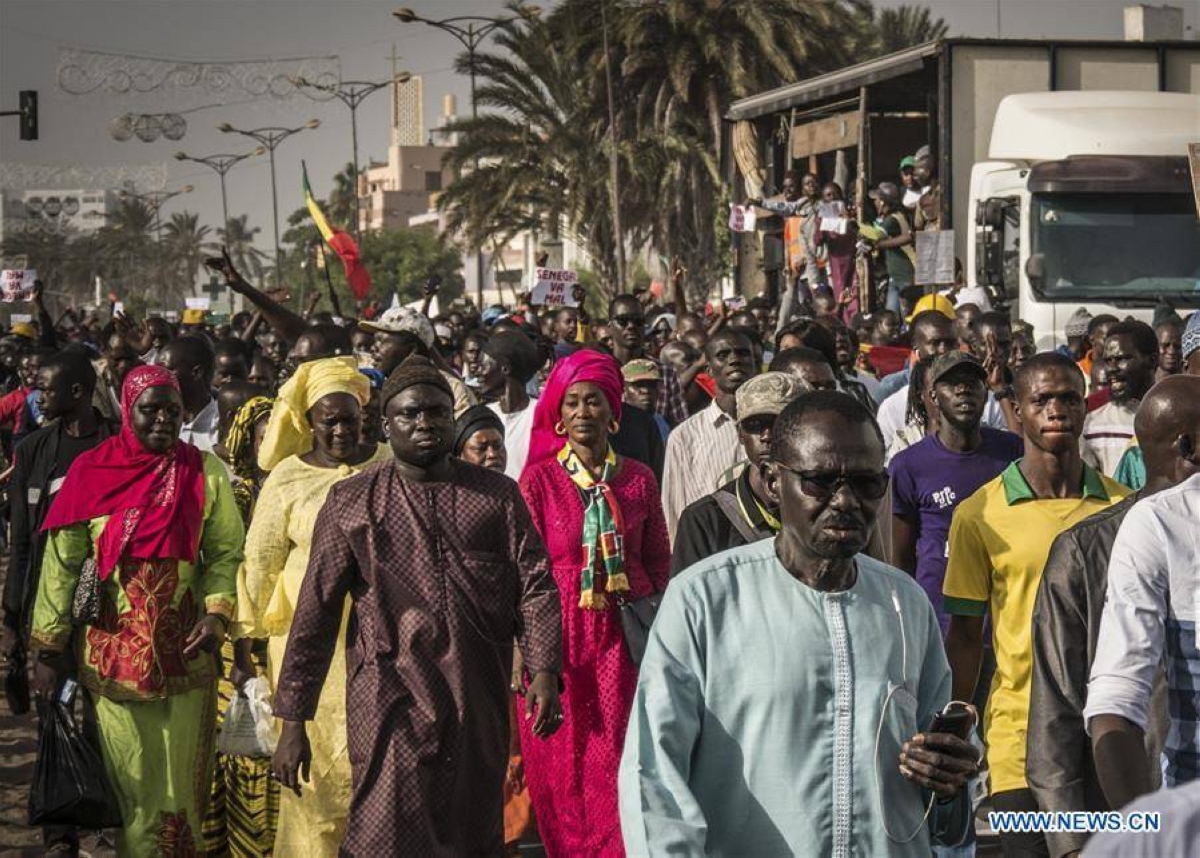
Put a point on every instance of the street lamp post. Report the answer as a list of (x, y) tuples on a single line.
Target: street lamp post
[(352, 93), (470, 30), (222, 164), (154, 201), (270, 138)]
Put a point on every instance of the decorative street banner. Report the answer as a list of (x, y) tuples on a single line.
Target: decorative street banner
[(553, 286), (935, 257), (17, 284), (742, 218)]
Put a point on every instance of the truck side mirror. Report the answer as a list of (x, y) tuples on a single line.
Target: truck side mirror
[(992, 212), (1035, 270)]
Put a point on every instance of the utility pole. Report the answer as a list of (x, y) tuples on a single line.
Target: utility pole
[(613, 175)]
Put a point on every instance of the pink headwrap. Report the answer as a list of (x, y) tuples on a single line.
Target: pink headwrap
[(584, 365), (154, 501)]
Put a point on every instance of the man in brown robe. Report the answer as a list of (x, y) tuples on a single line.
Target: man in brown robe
[(444, 569)]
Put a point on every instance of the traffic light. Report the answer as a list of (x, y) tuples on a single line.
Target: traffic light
[(29, 114)]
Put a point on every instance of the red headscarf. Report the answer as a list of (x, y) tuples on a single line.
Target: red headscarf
[(584, 365), (155, 501)]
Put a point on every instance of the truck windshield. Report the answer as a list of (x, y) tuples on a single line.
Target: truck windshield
[(1117, 247)]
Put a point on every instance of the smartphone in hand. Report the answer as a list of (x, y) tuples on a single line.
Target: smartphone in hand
[(957, 719)]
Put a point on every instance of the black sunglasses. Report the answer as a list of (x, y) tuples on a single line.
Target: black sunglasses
[(823, 485)]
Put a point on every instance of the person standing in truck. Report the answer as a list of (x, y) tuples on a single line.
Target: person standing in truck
[(897, 247)]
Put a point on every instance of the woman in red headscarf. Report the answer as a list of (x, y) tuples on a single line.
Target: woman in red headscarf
[(600, 517), (146, 530)]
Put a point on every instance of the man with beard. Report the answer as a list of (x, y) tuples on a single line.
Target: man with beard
[(1130, 359), (999, 540), (785, 683), (703, 447), (741, 511), (933, 476), (443, 568), (400, 332)]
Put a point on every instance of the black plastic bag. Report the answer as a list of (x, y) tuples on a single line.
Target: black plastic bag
[(16, 685), (69, 783)]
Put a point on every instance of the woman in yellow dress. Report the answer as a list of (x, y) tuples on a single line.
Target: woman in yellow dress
[(312, 441)]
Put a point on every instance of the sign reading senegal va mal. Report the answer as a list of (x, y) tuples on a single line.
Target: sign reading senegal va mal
[(553, 286)]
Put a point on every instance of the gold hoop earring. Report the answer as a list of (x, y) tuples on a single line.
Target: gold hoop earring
[(559, 428)]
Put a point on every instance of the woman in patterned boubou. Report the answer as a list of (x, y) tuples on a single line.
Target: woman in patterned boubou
[(600, 517), (151, 523)]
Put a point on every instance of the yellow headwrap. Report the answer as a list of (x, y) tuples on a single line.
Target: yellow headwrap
[(288, 431)]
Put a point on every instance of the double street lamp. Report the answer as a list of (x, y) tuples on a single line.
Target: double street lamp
[(269, 139), (352, 93), (470, 30), (154, 201), (222, 164)]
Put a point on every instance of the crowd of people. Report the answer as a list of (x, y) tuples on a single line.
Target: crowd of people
[(660, 582)]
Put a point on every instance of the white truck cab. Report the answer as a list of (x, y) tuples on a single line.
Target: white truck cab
[(1087, 201)]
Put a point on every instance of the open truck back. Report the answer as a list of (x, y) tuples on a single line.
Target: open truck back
[(1130, 101)]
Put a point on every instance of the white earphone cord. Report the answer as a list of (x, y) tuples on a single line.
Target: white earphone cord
[(879, 734)]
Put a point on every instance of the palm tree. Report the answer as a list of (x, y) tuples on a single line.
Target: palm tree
[(239, 240), (341, 198), (893, 30), (531, 161), (184, 241)]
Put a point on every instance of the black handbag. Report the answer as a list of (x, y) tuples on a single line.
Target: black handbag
[(636, 618), (70, 786)]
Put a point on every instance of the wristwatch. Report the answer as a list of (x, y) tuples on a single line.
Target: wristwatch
[(1005, 392)]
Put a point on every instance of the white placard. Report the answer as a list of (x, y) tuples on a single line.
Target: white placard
[(17, 284), (742, 218), (118, 307), (18, 318), (834, 225), (935, 257), (201, 303), (553, 286)]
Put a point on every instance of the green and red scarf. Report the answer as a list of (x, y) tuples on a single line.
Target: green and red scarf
[(603, 528)]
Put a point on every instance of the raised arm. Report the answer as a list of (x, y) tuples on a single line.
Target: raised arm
[(288, 324)]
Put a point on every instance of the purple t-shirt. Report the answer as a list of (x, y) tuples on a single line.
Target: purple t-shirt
[(928, 484)]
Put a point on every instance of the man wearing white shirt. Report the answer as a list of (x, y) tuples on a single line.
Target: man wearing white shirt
[(192, 360), (509, 360), (1149, 620), (702, 448)]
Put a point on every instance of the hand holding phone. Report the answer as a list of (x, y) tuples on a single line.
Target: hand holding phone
[(956, 719)]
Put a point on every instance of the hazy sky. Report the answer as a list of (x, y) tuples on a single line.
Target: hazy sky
[(362, 34)]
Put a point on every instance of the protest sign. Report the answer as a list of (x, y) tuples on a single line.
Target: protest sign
[(742, 218), (553, 286), (17, 284), (18, 318), (201, 303), (935, 257)]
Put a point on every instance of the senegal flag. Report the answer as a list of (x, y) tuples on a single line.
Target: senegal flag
[(341, 242)]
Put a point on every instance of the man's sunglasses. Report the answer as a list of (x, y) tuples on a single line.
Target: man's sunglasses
[(823, 485)]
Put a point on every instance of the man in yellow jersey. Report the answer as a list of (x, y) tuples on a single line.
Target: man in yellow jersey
[(1000, 538)]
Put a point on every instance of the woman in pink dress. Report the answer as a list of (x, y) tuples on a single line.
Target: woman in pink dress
[(600, 517)]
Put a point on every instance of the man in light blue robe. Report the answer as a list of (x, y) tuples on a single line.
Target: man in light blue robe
[(783, 692)]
